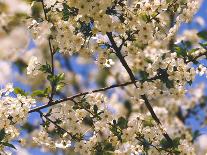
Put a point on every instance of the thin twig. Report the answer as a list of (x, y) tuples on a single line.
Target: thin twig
[(51, 54), (54, 123), (79, 95)]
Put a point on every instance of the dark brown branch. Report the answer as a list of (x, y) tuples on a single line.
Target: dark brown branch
[(121, 58), (79, 95), (133, 79), (196, 57), (154, 116)]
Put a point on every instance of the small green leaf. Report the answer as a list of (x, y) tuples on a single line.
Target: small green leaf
[(169, 83), (176, 142), (196, 134), (148, 122), (144, 75), (47, 90), (21, 65), (122, 122), (18, 90), (46, 68), (61, 76), (56, 79), (169, 1), (180, 51), (166, 144), (39, 93), (66, 12), (95, 109), (145, 17), (193, 50), (202, 34), (60, 86), (204, 45), (101, 78), (8, 144), (50, 78), (28, 127), (2, 134)]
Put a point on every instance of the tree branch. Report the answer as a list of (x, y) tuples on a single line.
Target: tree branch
[(51, 54), (54, 123), (79, 95), (133, 79), (121, 58)]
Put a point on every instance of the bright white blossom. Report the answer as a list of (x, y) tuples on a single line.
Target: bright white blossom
[(33, 66)]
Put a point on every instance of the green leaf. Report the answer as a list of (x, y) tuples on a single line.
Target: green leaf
[(176, 142), (190, 82), (2, 134), (66, 12), (169, 83), (50, 78), (193, 50), (56, 79), (60, 86), (169, 1), (36, 9), (148, 121), (204, 45), (145, 17), (166, 144), (122, 122), (108, 146), (8, 144), (28, 127), (187, 44), (180, 51), (88, 121), (202, 34), (18, 90), (95, 109), (144, 75), (47, 90), (61, 77), (196, 134), (128, 106), (39, 93), (101, 78), (21, 65), (46, 68)]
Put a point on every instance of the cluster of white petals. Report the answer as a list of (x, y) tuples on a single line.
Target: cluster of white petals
[(14, 110)]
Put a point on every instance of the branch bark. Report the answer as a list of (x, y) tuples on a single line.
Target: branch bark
[(79, 95), (133, 79)]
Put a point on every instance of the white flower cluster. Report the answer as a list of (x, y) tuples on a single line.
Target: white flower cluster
[(67, 41), (13, 112), (33, 66), (201, 70), (40, 32), (124, 139)]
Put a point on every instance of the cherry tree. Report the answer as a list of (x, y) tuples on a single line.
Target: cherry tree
[(133, 96)]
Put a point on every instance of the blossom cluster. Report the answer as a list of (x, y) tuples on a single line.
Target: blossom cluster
[(14, 112)]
